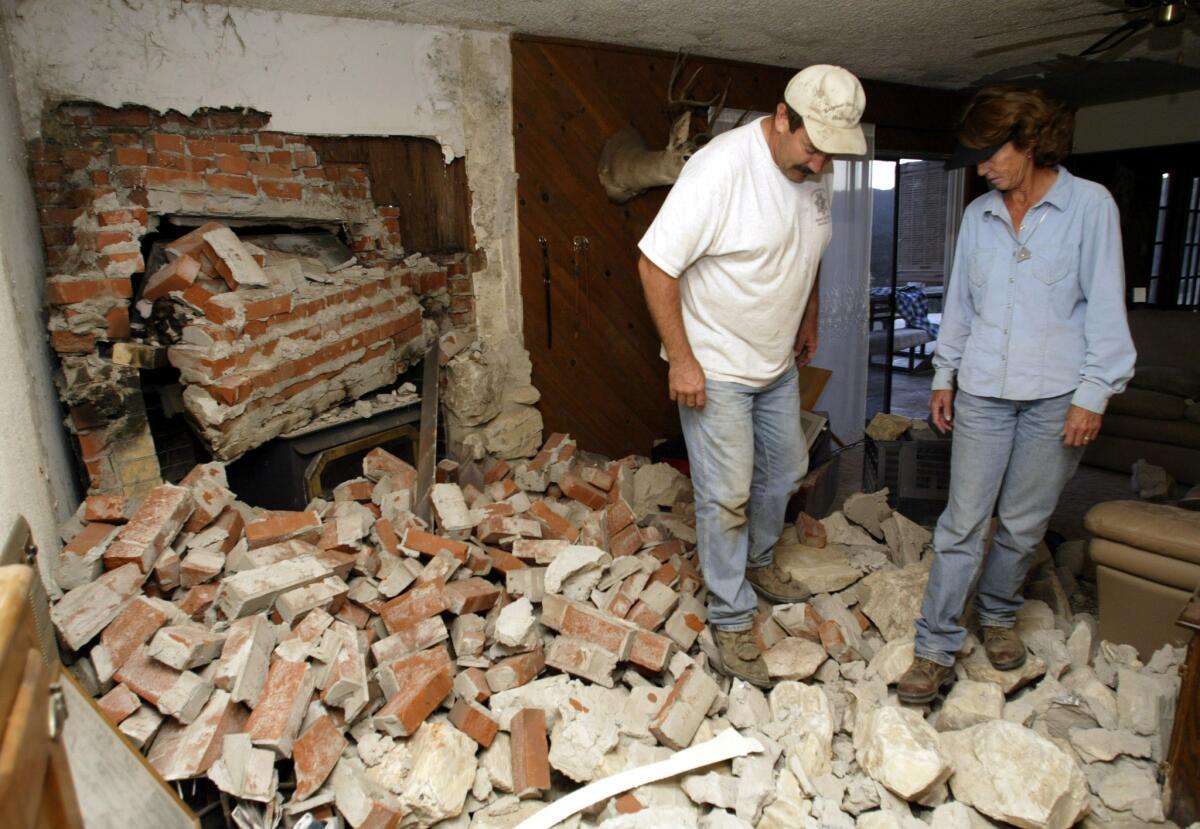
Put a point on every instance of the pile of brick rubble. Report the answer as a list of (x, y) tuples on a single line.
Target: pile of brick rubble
[(348, 662)]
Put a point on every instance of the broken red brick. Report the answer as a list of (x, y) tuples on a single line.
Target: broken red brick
[(429, 544), (282, 525), (575, 487), (515, 671), (315, 754), (118, 704), (412, 606), (530, 753), (475, 721), (470, 595)]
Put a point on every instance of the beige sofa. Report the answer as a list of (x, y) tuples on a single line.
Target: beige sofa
[(1147, 565), (1157, 418)]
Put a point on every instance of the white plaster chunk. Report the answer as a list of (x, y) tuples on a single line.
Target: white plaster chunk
[(658, 485), (803, 721), (516, 626), (794, 658), (575, 571), (891, 661), (970, 703), (255, 590), (958, 816), (868, 510), (994, 764), (790, 807), (840, 531), (896, 747), (497, 759), (515, 433), (977, 667), (1051, 647), (579, 741), (891, 599), (720, 819), (451, 508), (1099, 699), (1125, 785), (1145, 701), (747, 706), (1099, 745), (906, 539), (244, 771), (714, 789), (443, 770), (819, 570)]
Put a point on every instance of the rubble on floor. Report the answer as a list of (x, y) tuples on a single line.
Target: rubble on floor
[(351, 663)]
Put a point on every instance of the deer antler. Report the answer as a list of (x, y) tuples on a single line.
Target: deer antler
[(681, 100)]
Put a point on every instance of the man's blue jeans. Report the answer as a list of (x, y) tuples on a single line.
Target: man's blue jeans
[(747, 455), (1006, 449)]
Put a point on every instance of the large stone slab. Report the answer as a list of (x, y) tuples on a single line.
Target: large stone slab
[(970, 703), (892, 598), (1012, 774), (978, 668), (896, 747), (824, 570)]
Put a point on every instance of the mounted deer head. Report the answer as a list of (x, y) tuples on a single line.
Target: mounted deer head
[(627, 167)]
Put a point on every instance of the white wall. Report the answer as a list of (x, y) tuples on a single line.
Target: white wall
[(35, 469), (1146, 122)]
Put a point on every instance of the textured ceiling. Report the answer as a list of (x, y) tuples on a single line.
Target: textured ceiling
[(925, 42)]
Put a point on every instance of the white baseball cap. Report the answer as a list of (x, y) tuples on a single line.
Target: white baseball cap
[(831, 101)]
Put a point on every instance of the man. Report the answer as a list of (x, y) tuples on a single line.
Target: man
[(729, 268)]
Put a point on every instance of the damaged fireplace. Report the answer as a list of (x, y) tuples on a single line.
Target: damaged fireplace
[(221, 291), (302, 276)]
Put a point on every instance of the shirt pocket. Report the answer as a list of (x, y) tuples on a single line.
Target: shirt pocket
[(981, 265), (1050, 269)]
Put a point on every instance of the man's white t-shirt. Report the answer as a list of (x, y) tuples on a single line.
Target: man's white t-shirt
[(745, 241)]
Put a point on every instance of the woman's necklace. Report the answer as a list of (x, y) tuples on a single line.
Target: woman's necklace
[(1023, 252)]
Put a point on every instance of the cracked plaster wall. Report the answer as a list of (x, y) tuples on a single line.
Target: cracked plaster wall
[(315, 75), (35, 469)]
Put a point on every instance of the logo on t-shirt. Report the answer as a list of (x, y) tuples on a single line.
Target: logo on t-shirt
[(821, 205)]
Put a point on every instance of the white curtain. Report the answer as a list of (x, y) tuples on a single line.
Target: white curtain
[(845, 296)]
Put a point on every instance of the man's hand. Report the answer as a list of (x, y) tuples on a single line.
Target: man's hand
[(1081, 427), (686, 380), (941, 406), (806, 342)]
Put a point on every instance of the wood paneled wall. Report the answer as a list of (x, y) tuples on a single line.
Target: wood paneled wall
[(594, 348), (412, 174)]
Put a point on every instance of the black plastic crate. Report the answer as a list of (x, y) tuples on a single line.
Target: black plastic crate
[(916, 473)]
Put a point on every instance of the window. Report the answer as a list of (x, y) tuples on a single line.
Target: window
[(1189, 266), (1160, 237)]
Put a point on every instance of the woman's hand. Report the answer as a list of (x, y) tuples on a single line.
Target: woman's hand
[(1081, 427), (941, 406)]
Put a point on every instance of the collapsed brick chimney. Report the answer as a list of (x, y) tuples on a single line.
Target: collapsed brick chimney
[(107, 179)]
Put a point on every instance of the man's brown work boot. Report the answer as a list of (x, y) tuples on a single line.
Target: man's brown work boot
[(741, 656), (1003, 647), (776, 584), (922, 681)]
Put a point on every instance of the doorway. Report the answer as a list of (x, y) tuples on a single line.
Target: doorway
[(916, 209)]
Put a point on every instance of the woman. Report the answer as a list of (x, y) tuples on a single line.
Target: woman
[(1033, 342)]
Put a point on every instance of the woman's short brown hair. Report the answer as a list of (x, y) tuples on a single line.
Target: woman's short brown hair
[(1024, 116)]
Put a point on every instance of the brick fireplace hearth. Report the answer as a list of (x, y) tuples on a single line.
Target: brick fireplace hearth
[(106, 179)]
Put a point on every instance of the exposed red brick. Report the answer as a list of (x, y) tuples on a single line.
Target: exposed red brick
[(530, 753), (475, 721)]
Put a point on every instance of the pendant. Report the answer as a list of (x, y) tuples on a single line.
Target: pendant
[(1023, 253)]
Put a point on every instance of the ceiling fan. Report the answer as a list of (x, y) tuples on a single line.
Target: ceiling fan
[(1142, 14)]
